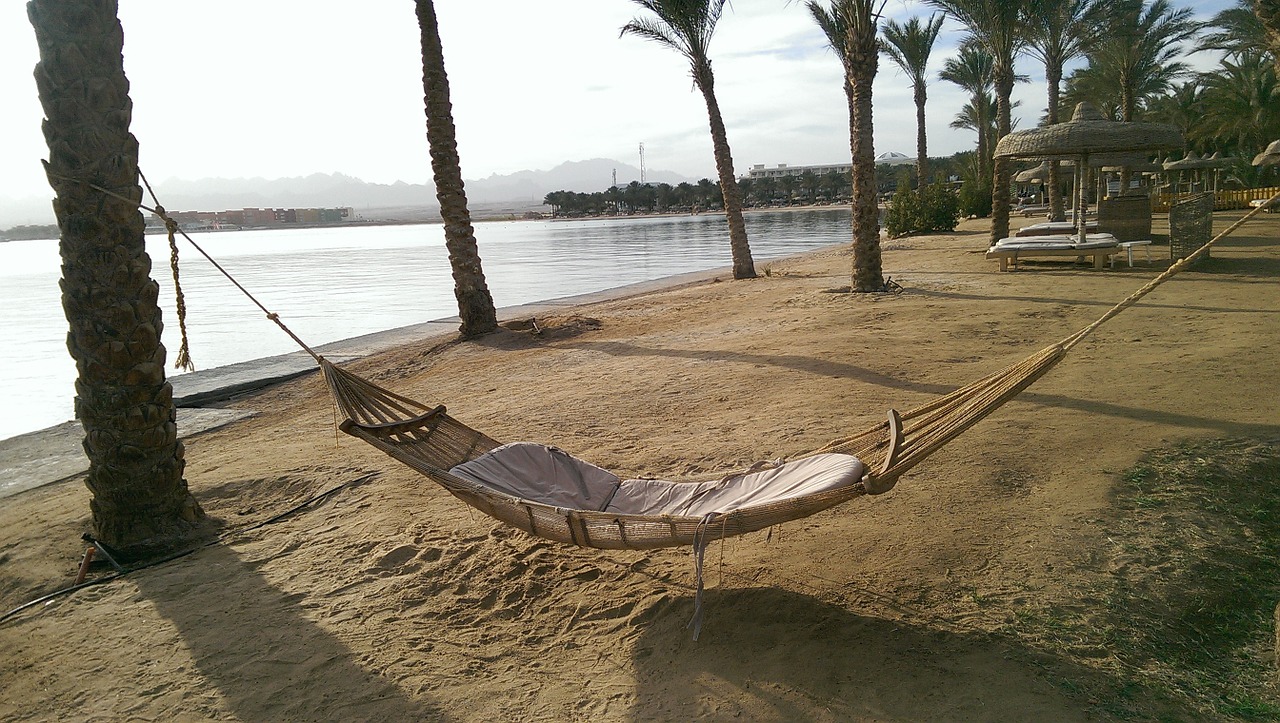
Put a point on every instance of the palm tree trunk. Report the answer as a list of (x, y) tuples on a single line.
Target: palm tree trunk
[(1057, 210), (141, 504), (1000, 168), (868, 274), (984, 148), (475, 304), (743, 266), (1128, 109), (922, 144)]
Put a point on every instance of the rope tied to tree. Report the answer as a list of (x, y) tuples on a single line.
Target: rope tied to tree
[(173, 228), (183, 359)]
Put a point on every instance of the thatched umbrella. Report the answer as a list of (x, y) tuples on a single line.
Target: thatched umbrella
[(1189, 163), (1269, 157), (1033, 175), (1087, 133), (1038, 174), (1194, 162)]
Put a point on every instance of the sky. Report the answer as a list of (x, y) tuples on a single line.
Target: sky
[(284, 88)]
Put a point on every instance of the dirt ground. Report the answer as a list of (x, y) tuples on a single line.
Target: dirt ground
[(390, 600)]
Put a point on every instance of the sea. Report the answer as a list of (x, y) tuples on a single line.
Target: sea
[(329, 284)]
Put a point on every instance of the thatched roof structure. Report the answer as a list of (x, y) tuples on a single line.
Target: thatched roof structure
[(1194, 161), (1087, 133), (1270, 156), (1040, 174)]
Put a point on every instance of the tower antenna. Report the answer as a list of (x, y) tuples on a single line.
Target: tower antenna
[(643, 175)]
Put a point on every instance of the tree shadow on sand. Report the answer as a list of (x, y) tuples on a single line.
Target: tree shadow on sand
[(251, 642), (772, 654)]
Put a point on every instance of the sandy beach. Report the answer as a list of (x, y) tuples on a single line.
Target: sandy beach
[(391, 600)]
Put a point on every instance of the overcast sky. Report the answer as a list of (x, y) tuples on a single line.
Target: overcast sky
[(279, 88)]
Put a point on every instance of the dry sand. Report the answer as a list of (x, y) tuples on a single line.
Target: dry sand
[(390, 600)]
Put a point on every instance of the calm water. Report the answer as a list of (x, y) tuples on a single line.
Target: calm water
[(336, 283)]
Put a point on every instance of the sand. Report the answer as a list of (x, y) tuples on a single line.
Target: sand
[(390, 600)]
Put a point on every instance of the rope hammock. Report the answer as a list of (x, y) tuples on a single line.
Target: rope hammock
[(427, 439)]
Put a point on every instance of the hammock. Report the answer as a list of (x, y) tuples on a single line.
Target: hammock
[(462, 460), (427, 439)]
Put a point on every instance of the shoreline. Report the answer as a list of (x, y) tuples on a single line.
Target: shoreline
[(46, 456)]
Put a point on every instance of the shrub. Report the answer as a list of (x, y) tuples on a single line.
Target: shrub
[(975, 199), (930, 209)]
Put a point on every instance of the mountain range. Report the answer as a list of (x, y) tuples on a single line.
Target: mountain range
[(400, 200)]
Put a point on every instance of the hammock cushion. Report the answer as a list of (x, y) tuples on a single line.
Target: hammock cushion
[(539, 473), (819, 473), (550, 476)]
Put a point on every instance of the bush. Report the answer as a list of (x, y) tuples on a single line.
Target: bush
[(975, 199), (930, 209)]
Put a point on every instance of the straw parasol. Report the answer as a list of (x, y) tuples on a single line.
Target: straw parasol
[(1086, 134), (1190, 162), (1269, 157), (1194, 162), (1039, 174)]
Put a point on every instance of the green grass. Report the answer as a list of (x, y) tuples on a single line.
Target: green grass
[(1188, 615)]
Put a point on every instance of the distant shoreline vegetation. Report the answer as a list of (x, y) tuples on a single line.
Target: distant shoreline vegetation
[(29, 233), (803, 189)]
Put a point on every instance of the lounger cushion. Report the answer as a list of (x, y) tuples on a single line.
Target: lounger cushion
[(539, 473), (802, 477)]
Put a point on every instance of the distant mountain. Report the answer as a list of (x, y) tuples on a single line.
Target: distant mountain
[(317, 190), (337, 189), (522, 189)]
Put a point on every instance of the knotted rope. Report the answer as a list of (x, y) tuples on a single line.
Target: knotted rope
[(173, 228), (183, 358)]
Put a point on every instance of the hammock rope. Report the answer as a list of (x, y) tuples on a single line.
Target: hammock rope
[(183, 358), (170, 223), (427, 439)]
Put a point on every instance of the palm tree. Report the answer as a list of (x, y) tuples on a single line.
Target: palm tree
[(909, 47), (1240, 105), (1058, 32), (1137, 56), (141, 504), (971, 69), (1237, 30), (980, 120), (1182, 107), (686, 26), (475, 304), (850, 27), (999, 26)]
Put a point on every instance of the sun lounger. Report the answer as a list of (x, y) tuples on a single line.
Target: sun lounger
[(1053, 228), (1099, 246)]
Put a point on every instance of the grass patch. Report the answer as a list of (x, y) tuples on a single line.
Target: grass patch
[(1186, 610)]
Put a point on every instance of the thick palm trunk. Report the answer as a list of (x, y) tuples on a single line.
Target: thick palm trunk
[(868, 274), (1057, 210), (141, 504), (922, 143), (475, 304), (1001, 176), (743, 266)]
